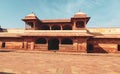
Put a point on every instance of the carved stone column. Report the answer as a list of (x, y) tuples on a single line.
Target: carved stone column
[(75, 44), (32, 45), (74, 25), (61, 27), (25, 44)]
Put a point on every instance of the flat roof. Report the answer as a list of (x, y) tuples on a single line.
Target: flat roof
[(107, 36), (56, 34), (9, 35), (56, 20)]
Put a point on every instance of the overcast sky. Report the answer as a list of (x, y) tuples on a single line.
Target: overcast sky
[(103, 13)]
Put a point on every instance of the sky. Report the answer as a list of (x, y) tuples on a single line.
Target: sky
[(103, 13)]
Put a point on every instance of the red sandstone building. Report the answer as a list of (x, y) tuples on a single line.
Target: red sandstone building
[(70, 35)]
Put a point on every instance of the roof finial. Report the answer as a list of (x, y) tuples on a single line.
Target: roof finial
[(33, 13)]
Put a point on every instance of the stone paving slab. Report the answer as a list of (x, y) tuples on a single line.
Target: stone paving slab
[(58, 63)]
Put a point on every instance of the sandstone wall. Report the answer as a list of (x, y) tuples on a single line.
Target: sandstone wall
[(41, 47), (65, 48), (11, 43), (104, 45)]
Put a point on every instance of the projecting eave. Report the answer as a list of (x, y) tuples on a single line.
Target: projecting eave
[(28, 19), (56, 21), (9, 35), (55, 34), (108, 36), (87, 18)]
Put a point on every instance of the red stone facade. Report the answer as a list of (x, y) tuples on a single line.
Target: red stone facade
[(66, 35)]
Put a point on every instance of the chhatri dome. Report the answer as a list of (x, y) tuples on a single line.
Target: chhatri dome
[(31, 16), (80, 14)]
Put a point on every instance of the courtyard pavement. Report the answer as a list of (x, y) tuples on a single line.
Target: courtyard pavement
[(37, 62)]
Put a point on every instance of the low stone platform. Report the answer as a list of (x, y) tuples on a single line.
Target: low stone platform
[(41, 62)]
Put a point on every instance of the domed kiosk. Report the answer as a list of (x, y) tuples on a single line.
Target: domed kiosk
[(80, 14), (31, 21), (80, 20)]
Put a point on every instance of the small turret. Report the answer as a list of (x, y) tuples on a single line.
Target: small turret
[(79, 20), (30, 16), (80, 15), (31, 21)]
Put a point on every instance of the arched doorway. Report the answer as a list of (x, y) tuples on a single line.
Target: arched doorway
[(80, 24), (53, 44), (67, 27), (45, 27)]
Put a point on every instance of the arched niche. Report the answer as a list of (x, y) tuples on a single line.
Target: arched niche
[(55, 27), (66, 41), (45, 27), (80, 24), (67, 27)]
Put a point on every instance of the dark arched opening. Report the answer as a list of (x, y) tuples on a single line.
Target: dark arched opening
[(45, 27), (30, 24), (80, 24), (53, 44), (40, 41), (67, 27), (3, 45), (67, 41), (55, 27), (89, 48), (118, 47)]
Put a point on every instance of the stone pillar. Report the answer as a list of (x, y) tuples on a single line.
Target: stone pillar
[(85, 23), (32, 45), (50, 27), (34, 25), (78, 47), (25, 45), (74, 25), (75, 45), (61, 27), (0, 44)]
